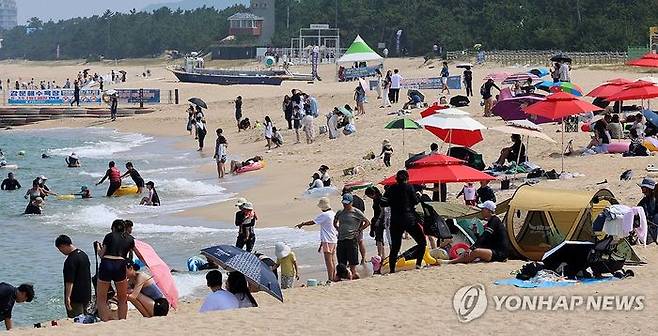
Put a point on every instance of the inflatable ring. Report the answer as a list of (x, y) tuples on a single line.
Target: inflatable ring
[(126, 190), (457, 249), (618, 147), (585, 128), (11, 166)]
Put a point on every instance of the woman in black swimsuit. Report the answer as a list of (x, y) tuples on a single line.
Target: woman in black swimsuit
[(134, 175), (113, 252)]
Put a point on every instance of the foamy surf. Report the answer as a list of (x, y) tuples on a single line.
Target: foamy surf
[(105, 148)]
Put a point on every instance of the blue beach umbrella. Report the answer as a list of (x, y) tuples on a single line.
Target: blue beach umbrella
[(257, 272), (540, 72)]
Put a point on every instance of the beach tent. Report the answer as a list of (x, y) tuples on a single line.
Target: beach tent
[(539, 219), (359, 51)]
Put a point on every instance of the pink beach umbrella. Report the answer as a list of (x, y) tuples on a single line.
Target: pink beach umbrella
[(160, 271)]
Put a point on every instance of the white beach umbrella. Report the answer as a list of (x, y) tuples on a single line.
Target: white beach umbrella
[(454, 126)]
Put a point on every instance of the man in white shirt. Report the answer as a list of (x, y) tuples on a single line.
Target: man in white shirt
[(219, 299), (396, 82), (328, 235), (564, 73)]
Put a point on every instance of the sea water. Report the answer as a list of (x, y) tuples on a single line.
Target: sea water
[(27, 251)]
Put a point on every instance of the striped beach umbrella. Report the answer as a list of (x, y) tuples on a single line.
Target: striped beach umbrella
[(520, 77), (568, 87)]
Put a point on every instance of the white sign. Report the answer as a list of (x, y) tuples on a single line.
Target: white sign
[(318, 26)]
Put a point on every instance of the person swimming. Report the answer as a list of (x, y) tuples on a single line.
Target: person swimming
[(84, 192), (152, 199), (73, 161), (134, 175)]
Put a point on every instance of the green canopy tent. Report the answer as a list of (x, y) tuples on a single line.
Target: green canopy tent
[(359, 51)]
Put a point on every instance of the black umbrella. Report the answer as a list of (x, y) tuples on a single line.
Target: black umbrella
[(573, 254), (561, 57), (198, 102), (247, 263), (122, 71), (459, 101)]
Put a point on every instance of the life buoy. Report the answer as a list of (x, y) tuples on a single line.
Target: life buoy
[(457, 249)]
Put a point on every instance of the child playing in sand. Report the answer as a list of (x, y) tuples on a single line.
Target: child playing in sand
[(288, 263), (387, 151), (469, 193), (277, 138)]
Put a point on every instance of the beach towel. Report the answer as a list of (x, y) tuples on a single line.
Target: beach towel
[(550, 283)]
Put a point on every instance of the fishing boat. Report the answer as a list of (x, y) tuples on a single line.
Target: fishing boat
[(194, 71)]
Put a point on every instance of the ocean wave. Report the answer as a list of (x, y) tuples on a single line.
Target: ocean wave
[(291, 236), (121, 142), (187, 187), (101, 217)]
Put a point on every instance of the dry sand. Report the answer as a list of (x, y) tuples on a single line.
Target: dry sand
[(416, 303)]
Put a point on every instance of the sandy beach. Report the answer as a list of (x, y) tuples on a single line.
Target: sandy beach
[(413, 302)]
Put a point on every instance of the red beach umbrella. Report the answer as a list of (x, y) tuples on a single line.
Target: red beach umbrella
[(437, 160), (636, 90), (442, 174), (649, 60), (609, 88), (560, 105), (432, 109)]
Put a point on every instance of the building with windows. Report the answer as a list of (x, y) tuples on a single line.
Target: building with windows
[(241, 24), (8, 14)]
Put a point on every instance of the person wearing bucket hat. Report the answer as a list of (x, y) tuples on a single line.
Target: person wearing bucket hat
[(649, 203), (328, 235), (84, 192), (349, 223), (245, 220), (240, 201), (286, 260), (493, 244)]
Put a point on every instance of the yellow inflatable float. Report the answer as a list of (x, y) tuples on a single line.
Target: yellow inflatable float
[(65, 197), (126, 190), (406, 265)]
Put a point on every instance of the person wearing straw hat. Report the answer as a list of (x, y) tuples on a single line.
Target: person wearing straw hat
[(72, 161), (245, 220), (328, 235), (286, 260)]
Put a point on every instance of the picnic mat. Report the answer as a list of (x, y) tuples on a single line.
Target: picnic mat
[(550, 283)]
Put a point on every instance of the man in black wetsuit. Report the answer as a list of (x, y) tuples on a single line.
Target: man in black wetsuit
[(10, 183), (492, 245), (135, 176)]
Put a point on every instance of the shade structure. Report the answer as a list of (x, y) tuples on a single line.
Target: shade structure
[(198, 102), (560, 105), (403, 124), (432, 109), (561, 57), (524, 128), (636, 90), (568, 87), (442, 174), (247, 263), (520, 77), (512, 108), (540, 72), (359, 51), (436, 160), (608, 88), (649, 60), (497, 76), (454, 126), (159, 271)]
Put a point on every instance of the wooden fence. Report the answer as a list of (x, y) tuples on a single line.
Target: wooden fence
[(542, 57)]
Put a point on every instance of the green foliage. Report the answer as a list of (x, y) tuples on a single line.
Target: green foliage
[(573, 25), (118, 35)]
